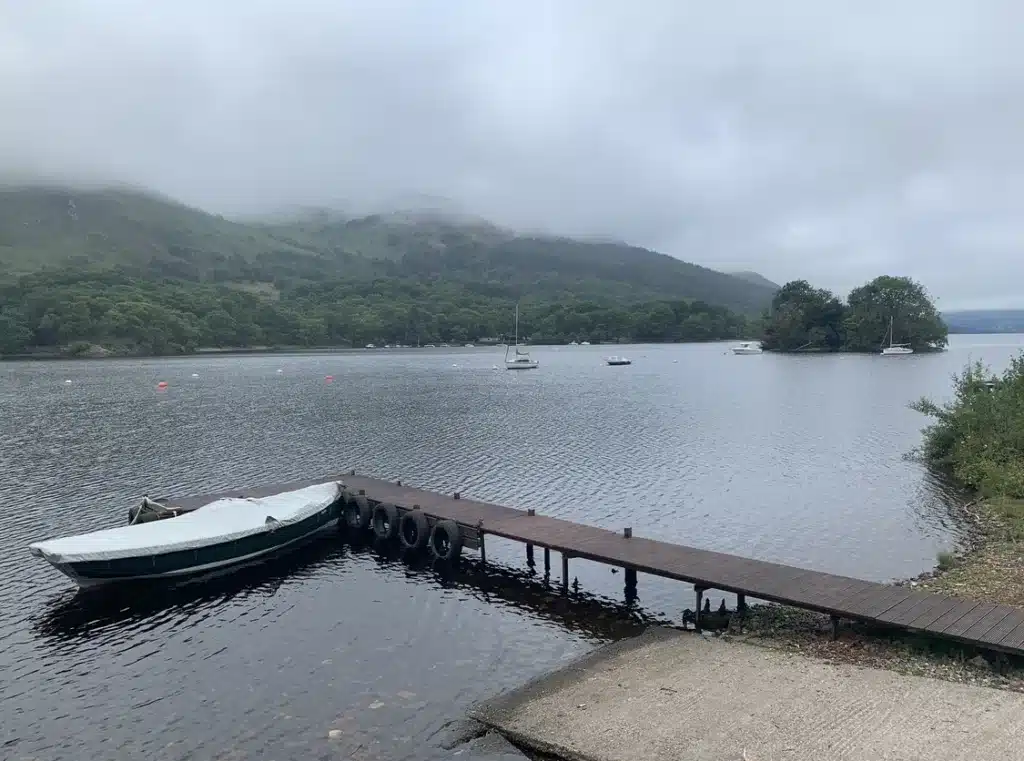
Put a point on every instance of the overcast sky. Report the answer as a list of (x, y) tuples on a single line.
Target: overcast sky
[(821, 139)]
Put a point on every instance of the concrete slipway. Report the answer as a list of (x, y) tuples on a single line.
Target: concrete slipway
[(674, 696)]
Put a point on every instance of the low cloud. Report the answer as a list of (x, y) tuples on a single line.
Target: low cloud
[(832, 141)]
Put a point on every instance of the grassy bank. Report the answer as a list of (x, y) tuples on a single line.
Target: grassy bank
[(993, 570)]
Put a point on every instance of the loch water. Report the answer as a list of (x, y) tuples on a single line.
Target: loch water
[(794, 459)]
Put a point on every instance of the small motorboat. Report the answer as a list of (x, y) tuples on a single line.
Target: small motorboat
[(617, 361), (748, 347), (162, 541)]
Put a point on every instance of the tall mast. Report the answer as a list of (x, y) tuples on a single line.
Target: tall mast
[(517, 325)]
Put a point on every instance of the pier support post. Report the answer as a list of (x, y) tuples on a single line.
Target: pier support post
[(741, 610), (565, 572), (483, 544), (700, 604), (630, 574), (835, 627), (530, 563), (547, 563)]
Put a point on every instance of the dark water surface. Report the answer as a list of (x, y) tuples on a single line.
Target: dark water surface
[(791, 459)]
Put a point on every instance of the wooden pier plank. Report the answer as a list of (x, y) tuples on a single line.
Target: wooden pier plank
[(985, 624), (874, 602), (927, 618), (959, 629), (1015, 639), (997, 633), (952, 616), (914, 608)]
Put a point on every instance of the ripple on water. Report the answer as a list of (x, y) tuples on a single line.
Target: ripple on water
[(791, 459)]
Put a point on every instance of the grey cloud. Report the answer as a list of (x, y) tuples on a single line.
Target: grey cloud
[(831, 141)]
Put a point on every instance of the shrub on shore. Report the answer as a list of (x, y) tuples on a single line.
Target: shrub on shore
[(978, 436)]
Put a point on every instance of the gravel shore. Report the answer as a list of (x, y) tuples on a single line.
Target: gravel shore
[(672, 695)]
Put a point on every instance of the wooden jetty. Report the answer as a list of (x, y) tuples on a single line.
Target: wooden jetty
[(447, 523)]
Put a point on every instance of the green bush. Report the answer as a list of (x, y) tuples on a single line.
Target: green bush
[(978, 436)]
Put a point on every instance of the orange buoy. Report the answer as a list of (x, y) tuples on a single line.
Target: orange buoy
[(161, 385), (329, 379)]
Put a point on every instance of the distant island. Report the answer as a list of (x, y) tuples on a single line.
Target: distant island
[(887, 310), (123, 272)]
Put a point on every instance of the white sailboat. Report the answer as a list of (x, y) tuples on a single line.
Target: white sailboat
[(894, 348), (522, 359)]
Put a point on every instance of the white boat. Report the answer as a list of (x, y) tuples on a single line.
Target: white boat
[(163, 542), (894, 349), (522, 359), (748, 347), (618, 361)]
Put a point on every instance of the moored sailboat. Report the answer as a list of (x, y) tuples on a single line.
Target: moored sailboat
[(895, 348), (522, 360)]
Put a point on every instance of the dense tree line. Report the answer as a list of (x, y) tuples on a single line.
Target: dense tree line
[(76, 310), (804, 318)]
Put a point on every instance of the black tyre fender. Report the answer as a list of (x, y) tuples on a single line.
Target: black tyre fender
[(357, 513), (446, 540), (413, 530), (385, 521)]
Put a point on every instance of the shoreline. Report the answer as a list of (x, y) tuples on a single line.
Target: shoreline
[(104, 352), (988, 565), (107, 354)]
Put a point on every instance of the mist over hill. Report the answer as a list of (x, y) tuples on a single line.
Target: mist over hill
[(315, 276)]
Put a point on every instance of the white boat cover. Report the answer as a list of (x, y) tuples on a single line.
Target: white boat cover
[(217, 522)]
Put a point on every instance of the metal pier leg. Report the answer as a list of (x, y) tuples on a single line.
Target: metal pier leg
[(741, 610), (483, 549), (835, 627), (547, 563), (529, 558), (630, 574), (565, 572), (700, 602)]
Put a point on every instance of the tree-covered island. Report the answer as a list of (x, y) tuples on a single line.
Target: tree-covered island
[(804, 318)]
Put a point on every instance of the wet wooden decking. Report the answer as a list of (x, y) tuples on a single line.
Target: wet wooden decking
[(996, 627)]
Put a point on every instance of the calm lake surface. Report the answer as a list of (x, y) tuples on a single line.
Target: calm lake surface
[(791, 459)]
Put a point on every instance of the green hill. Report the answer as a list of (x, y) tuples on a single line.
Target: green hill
[(158, 237), (144, 233), (756, 278), (99, 266)]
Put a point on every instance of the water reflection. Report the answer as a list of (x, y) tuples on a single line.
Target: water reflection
[(117, 612)]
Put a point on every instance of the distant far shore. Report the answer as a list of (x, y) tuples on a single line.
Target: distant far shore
[(101, 352), (96, 351)]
